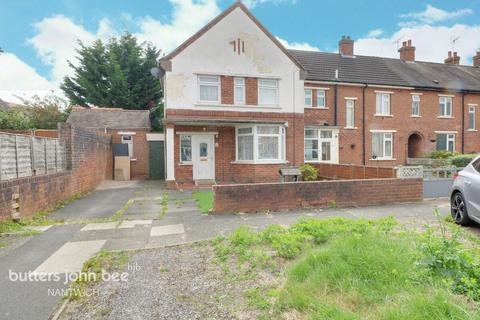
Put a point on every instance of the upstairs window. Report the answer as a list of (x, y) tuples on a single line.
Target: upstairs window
[(209, 89), (321, 99), (471, 117), (268, 92), (383, 104), (239, 92), (382, 145), (415, 105), (308, 98), (445, 105), (446, 141), (350, 113)]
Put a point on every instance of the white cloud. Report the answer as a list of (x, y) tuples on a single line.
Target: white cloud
[(187, 18), (297, 45), (433, 15), (432, 42), (253, 3), (375, 33)]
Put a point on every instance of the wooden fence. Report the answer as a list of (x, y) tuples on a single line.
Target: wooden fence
[(24, 156)]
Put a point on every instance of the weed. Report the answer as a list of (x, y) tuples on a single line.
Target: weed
[(204, 200), (333, 204)]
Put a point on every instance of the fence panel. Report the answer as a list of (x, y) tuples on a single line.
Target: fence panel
[(24, 156), (39, 164), (8, 161)]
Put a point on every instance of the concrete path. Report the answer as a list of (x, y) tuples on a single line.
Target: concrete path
[(154, 218)]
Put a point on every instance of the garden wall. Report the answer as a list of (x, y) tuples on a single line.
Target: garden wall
[(296, 195), (88, 162), (350, 171)]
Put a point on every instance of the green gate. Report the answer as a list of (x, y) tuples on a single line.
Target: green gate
[(157, 159)]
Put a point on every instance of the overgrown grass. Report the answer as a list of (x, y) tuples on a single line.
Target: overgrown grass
[(204, 200), (356, 269)]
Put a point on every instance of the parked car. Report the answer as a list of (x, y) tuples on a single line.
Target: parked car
[(465, 199)]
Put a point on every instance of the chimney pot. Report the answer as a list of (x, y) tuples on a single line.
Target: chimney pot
[(452, 58), (476, 59), (407, 51)]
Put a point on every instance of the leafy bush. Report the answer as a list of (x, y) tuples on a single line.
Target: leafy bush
[(463, 160), (441, 154), (243, 236), (289, 245), (309, 173)]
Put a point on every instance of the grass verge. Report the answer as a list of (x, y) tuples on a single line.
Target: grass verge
[(204, 200), (355, 269)]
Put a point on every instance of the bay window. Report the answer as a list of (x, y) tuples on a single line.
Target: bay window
[(209, 89), (268, 92), (382, 145), (382, 104), (261, 143)]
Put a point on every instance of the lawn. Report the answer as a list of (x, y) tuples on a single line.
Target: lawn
[(355, 269), (204, 200)]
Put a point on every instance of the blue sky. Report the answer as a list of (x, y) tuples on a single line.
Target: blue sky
[(39, 36)]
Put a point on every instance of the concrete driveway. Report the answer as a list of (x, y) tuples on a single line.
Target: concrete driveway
[(152, 217)]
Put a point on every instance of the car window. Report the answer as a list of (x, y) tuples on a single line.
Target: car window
[(476, 165)]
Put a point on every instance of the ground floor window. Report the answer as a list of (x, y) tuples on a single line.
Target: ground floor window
[(382, 145), (128, 140), (185, 148), (446, 141), (261, 143), (319, 145)]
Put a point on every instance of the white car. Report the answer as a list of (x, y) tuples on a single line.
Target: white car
[(465, 199)]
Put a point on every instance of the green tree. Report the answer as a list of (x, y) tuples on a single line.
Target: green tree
[(115, 74)]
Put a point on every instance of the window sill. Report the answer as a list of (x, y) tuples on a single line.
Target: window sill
[(317, 108), (383, 115), (259, 162), (319, 162), (246, 106), (415, 116), (350, 128), (445, 117), (134, 159), (472, 130), (383, 159), (185, 163)]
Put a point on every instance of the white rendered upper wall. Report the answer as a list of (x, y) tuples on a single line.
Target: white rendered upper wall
[(212, 53)]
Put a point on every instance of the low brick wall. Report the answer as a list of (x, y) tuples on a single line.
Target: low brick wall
[(295, 195), (347, 171), (89, 162)]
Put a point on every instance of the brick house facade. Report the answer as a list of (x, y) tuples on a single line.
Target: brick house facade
[(239, 106)]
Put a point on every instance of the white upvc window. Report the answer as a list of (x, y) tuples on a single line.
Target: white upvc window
[(260, 143), (128, 140), (350, 113), (382, 145), (382, 104), (445, 106), (185, 149), (446, 141), (321, 100), (308, 98), (268, 92), (209, 89), (239, 91), (415, 105), (471, 117), (319, 145)]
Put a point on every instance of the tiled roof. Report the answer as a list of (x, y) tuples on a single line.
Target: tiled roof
[(109, 118), (321, 66)]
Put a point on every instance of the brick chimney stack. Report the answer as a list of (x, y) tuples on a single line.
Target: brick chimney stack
[(476, 59), (452, 59), (407, 51), (345, 46)]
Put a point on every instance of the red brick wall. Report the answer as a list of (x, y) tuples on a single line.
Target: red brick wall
[(89, 162), (227, 90), (295, 195), (139, 168), (251, 88)]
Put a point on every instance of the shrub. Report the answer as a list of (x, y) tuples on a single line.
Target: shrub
[(309, 173), (463, 160), (440, 154)]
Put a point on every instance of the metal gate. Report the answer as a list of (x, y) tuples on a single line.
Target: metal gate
[(157, 159)]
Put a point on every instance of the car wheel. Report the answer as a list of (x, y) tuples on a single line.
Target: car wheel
[(459, 210)]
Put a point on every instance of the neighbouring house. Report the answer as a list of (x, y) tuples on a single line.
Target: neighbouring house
[(126, 126), (239, 105)]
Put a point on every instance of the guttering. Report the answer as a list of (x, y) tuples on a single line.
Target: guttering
[(335, 105), (364, 150), (463, 122)]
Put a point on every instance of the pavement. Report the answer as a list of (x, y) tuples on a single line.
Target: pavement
[(152, 217)]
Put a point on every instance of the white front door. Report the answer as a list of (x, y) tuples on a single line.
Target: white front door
[(203, 157)]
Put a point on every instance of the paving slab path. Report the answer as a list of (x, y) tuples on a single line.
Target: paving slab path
[(154, 217)]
